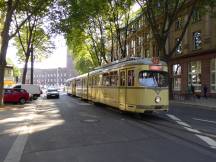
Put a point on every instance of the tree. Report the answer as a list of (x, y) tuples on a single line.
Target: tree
[(7, 9), (119, 17), (32, 41), (161, 16), (91, 28)]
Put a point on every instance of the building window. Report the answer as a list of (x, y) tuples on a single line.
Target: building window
[(194, 75), (177, 77), (196, 16), (9, 72), (179, 23), (213, 75), (197, 40), (179, 47)]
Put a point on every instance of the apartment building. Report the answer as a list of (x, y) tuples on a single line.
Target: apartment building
[(54, 76), (194, 61)]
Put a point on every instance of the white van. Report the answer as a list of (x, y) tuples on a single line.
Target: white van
[(34, 90)]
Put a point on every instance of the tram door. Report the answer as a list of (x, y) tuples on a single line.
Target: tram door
[(122, 90)]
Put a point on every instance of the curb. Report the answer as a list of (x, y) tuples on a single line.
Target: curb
[(207, 107)]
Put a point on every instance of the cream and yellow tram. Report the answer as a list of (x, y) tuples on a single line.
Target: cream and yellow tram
[(135, 85)]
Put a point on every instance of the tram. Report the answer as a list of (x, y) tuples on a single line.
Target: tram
[(134, 85)]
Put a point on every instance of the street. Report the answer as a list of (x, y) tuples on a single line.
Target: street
[(71, 130)]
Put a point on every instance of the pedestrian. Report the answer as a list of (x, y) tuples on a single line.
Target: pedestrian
[(205, 90), (192, 90)]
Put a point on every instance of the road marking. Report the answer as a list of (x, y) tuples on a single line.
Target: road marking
[(15, 153), (208, 121), (209, 141)]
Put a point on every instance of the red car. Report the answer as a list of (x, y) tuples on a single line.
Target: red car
[(16, 95)]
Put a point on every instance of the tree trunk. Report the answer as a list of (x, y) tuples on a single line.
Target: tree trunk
[(4, 46), (32, 68), (25, 69), (1, 84)]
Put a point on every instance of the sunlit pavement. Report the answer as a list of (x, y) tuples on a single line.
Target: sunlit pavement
[(13, 120), (71, 130)]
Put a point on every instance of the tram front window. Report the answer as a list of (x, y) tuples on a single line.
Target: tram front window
[(153, 79)]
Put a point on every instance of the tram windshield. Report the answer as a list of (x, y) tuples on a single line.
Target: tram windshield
[(153, 78)]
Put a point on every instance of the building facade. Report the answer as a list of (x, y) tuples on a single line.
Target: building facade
[(9, 79), (52, 77), (194, 61)]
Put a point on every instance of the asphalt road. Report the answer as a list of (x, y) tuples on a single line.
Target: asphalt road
[(71, 130)]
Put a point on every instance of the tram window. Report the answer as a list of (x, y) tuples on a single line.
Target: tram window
[(153, 79), (122, 78), (106, 79), (130, 77), (93, 80), (97, 80), (114, 78), (78, 83)]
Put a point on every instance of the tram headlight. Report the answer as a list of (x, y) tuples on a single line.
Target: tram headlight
[(157, 99)]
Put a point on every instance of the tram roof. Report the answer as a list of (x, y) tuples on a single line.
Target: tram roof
[(120, 63), (126, 62)]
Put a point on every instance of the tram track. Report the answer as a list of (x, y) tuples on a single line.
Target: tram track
[(172, 124), (162, 125), (168, 129), (165, 130)]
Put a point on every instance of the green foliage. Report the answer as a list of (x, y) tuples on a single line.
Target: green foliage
[(90, 28), (42, 45)]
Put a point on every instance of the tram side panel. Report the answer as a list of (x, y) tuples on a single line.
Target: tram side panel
[(73, 87), (90, 80), (85, 88), (93, 88), (69, 88), (79, 88)]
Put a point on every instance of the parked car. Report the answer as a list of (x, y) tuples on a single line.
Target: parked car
[(34, 90), (52, 92), (16, 95)]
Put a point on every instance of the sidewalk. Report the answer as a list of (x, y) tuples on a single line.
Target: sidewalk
[(209, 103), (14, 126)]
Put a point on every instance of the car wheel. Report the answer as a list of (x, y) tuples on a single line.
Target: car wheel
[(35, 97), (22, 100)]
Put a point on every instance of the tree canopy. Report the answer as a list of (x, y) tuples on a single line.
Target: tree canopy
[(91, 28)]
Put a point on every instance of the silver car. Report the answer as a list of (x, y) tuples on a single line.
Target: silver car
[(52, 93)]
